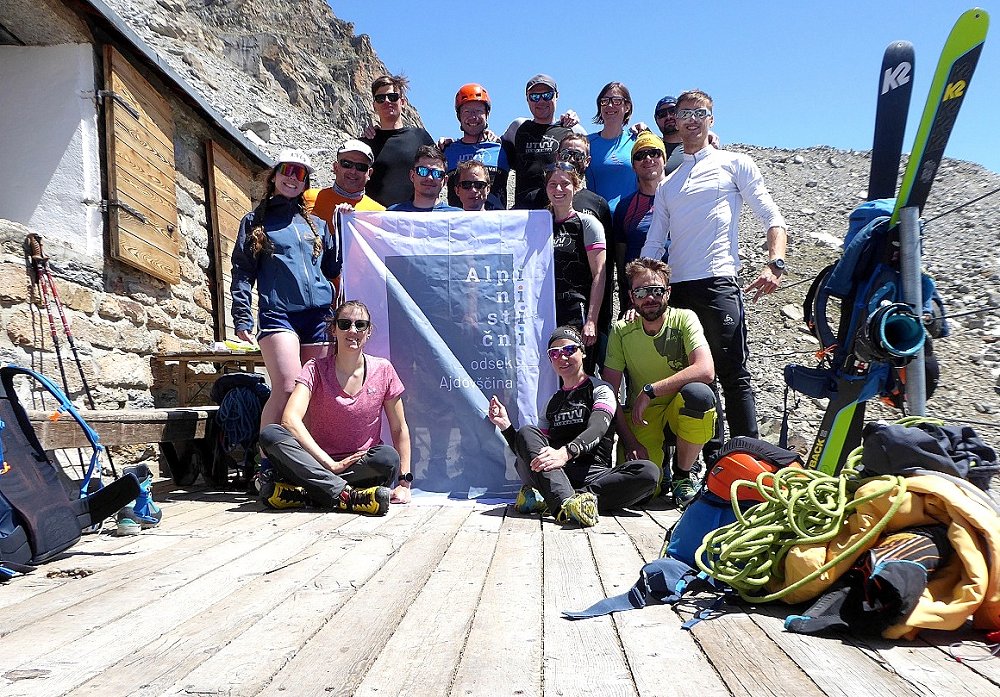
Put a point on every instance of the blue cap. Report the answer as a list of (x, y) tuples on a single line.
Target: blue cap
[(666, 101)]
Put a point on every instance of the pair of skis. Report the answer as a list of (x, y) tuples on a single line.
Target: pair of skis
[(840, 430)]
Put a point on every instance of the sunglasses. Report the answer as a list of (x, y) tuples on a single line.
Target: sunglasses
[(664, 113), (646, 154), (391, 96), (697, 114), (655, 291), (432, 172), (360, 324), (542, 96), (567, 154), (562, 166), (296, 172), (563, 351), (477, 185), (360, 166), (616, 101)]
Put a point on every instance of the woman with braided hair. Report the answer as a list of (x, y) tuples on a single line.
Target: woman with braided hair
[(291, 257)]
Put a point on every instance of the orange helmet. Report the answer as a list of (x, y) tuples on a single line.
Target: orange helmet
[(472, 92), (738, 466)]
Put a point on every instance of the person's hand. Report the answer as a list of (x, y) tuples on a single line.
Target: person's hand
[(637, 128), (342, 465), (629, 314), (369, 131), (639, 408), (246, 336), (713, 140), (490, 137), (589, 333), (766, 283), (444, 143), (401, 494), (498, 414), (344, 208), (569, 119), (549, 459), (635, 450)]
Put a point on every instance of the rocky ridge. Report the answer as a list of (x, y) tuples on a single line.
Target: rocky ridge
[(293, 75)]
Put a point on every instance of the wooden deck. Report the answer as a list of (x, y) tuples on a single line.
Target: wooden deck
[(456, 599)]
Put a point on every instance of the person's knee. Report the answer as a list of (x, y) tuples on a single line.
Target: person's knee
[(385, 459), (273, 434), (698, 399), (647, 472)]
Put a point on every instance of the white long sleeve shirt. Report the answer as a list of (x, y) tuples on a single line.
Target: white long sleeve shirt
[(697, 210)]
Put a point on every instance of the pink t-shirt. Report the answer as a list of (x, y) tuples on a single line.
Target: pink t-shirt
[(342, 424)]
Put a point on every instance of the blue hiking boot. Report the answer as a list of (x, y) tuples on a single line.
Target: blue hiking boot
[(142, 513)]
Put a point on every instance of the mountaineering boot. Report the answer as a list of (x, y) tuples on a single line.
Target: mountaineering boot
[(371, 501), (264, 475), (529, 501), (143, 512), (683, 490), (579, 508), (281, 495)]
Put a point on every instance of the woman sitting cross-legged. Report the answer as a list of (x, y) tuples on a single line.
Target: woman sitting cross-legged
[(328, 442), (567, 457)]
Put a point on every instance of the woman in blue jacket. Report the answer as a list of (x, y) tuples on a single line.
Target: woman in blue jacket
[(292, 258)]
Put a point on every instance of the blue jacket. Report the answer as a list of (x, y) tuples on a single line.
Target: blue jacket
[(289, 279)]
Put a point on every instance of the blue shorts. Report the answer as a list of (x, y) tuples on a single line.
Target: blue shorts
[(309, 325)]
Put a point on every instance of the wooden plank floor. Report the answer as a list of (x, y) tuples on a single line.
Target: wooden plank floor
[(437, 598)]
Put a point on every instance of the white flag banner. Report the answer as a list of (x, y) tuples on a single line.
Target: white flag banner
[(462, 305)]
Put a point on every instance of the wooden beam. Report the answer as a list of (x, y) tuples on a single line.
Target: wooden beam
[(123, 427)]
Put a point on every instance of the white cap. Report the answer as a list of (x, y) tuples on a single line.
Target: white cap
[(292, 156), (354, 145)]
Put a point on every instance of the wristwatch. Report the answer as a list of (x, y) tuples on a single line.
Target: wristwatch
[(408, 477), (778, 264), (572, 449), (648, 389)]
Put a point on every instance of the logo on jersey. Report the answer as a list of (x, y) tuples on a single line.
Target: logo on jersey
[(728, 320)]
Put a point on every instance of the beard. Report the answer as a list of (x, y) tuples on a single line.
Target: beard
[(652, 313), (670, 130)]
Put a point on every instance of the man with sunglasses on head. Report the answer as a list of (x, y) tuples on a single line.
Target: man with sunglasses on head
[(664, 352), (695, 221), (472, 106), (531, 144), (427, 176), (393, 143)]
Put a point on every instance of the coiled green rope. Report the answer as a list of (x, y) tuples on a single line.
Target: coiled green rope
[(800, 507)]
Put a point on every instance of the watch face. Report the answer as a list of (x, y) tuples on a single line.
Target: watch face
[(779, 264)]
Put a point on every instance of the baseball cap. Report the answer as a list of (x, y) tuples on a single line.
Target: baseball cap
[(354, 145), (646, 140), (666, 101), (292, 156), (541, 79)]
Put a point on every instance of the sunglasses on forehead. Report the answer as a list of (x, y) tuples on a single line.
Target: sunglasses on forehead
[(541, 96), (563, 351), (432, 172), (562, 166), (360, 166), (390, 96), (469, 185), (295, 171), (655, 291), (360, 324)]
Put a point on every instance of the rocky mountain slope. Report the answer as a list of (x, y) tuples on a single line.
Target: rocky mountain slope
[(292, 74)]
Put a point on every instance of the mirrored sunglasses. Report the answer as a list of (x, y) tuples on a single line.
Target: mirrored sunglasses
[(293, 170), (542, 96), (647, 153), (617, 101), (561, 165), (567, 154), (432, 172), (469, 185), (665, 112), (655, 291), (697, 114), (391, 96), (563, 351), (360, 166), (360, 324)]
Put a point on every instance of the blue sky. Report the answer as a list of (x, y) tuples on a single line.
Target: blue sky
[(782, 73)]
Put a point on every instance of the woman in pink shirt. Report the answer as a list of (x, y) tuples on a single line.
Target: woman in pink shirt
[(329, 439)]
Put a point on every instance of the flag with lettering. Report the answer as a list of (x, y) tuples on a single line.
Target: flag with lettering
[(462, 305)]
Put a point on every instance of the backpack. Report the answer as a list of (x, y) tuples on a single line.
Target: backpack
[(236, 428), (38, 518)]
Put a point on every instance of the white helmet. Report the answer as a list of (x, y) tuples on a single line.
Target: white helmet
[(292, 156)]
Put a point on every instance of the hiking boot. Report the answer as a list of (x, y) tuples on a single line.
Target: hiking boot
[(143, 512), (371, 501), (126, 526), (264, 475), (280, 495), (683, 490), (580, 508), (529, 501)]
